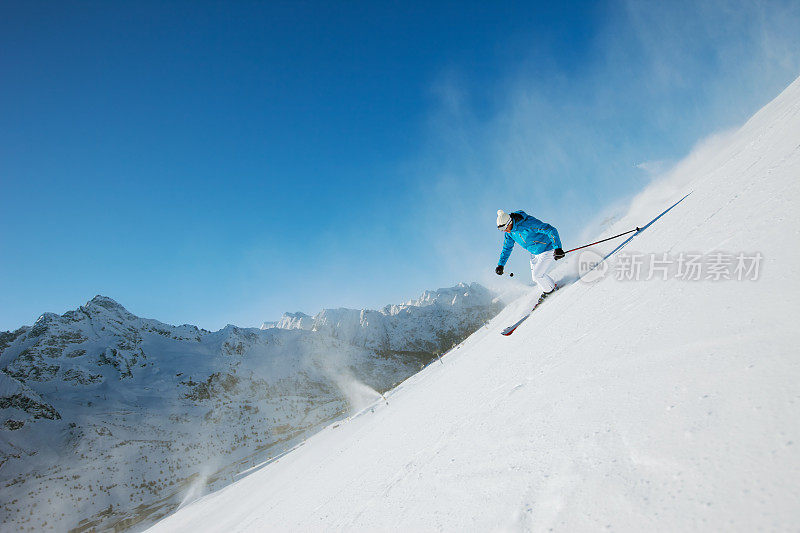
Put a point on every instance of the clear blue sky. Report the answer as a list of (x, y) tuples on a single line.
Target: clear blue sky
[(223, 162)]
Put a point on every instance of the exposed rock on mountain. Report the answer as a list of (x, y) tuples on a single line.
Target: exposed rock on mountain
[(110, 420)]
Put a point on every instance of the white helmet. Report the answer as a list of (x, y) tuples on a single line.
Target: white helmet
[(502, 219)]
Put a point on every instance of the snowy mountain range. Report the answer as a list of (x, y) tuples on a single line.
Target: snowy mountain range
[(108, 420), (659, 394), (417, 326)]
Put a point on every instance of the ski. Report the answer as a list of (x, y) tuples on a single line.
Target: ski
[(510, 329), (629, 239)]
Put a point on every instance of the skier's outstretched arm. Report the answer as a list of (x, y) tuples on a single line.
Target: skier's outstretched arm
[(508, 245)]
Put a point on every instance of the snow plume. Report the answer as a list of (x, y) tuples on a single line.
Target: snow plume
[(669, 184), (359, 395), (338, 368), (654, 168), (198, 487), (563, 141)]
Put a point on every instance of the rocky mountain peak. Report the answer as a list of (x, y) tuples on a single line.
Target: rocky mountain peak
[(103, 306)]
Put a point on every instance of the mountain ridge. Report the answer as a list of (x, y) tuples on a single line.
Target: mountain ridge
[(100, 382)]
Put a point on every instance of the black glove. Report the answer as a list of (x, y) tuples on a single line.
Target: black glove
[(558, 254), (499, 270)]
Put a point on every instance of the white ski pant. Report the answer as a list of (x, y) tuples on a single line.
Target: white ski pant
[(540, 264)]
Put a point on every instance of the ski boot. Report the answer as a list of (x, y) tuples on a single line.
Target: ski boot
[(546, 294)]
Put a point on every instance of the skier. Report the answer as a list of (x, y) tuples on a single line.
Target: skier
[(540, 239)]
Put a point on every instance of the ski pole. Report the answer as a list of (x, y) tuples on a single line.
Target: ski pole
[(604, 240)]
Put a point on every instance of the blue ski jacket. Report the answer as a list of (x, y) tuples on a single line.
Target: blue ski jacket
[(531, 233)]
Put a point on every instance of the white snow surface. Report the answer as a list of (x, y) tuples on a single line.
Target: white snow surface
[(650, 405)]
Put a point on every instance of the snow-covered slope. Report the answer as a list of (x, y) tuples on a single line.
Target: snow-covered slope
[(666, 405), (111, 420)]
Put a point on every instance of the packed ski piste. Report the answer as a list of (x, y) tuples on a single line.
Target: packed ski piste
[(666, 403)]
